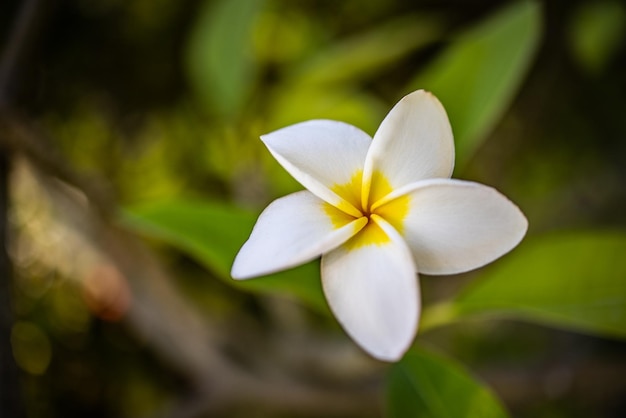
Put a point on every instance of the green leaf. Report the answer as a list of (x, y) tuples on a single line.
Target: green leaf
[(596, 32), (569, 280), (426, 385), (213, 233), (364, 54), (220, 61), (477, 76)]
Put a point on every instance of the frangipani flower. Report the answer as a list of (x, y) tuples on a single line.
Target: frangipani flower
[(378, 211)]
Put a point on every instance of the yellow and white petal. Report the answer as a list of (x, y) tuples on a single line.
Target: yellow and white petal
[(414, 142), (453, 226), (321, 154), (291, 230), (373, 291)]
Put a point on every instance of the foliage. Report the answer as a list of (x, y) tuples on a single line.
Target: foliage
[(427, 385), (477, 76), (192, 177), (570, 280), (215, 243)]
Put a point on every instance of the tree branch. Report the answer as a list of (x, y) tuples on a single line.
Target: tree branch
[(181, 336)]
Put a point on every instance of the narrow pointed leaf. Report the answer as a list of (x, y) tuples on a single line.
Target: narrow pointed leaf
[(426, 385), (364, 54), (219, 57), (477, 76)]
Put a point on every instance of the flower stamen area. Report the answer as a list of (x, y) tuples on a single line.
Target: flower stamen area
[(393, 211)]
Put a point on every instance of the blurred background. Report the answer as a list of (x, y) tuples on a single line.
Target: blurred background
[(132, 172)]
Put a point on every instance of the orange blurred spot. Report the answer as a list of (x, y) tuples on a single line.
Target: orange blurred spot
[(106, 292)]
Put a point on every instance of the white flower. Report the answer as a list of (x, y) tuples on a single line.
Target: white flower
[(378, 211)]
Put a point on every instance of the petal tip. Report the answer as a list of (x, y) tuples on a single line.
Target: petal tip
[(388, 348), (522, 225), (391, 354), (419, 93), (239, 273), (425, 95), (244, 268)]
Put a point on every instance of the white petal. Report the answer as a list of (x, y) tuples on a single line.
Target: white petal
[(373, 292), (454, 226), (414, 142), (291, 230), (321, 154)]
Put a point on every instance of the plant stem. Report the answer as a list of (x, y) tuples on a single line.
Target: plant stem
[(437, 315)]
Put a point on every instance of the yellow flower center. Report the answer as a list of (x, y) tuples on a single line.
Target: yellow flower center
[(393, 211)]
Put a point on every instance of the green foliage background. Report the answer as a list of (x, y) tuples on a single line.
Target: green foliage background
[(161, 104)]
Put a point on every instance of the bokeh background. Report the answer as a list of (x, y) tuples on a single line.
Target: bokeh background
[(129, 132)]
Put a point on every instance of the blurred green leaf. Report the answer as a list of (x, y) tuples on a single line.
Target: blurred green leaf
[(220, 61), (361, 55), (426, 385), (477, 76), (283, 44), (570, 280), (213, 233), (292, 105), (596, 31)]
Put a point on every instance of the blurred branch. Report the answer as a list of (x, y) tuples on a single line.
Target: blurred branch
[(163, 319), (25, 139), (437, 315), (153, 308)]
